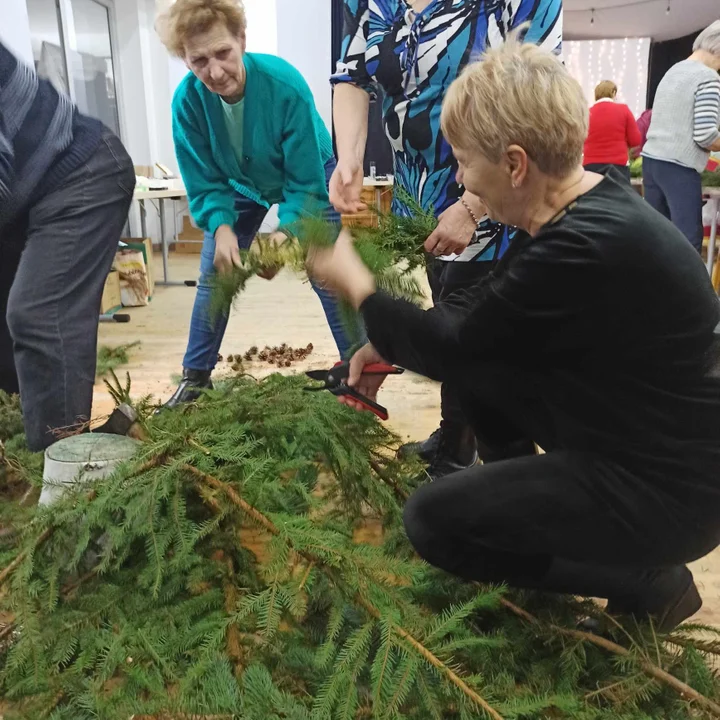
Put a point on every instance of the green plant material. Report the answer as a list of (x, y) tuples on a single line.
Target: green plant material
[(217, 576), (710, 178), (111, 358), (392, 252), (11, 422), (19, 468)]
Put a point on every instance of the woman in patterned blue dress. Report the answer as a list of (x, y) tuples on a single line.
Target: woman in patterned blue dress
[(414, 50)]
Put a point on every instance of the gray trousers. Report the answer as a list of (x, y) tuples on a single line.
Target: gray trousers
[(55, 260)]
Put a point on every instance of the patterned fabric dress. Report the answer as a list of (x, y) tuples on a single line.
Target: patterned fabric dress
[(415, 57)]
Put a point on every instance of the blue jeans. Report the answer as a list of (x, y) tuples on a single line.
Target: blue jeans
[(207, 332), (676, 192)]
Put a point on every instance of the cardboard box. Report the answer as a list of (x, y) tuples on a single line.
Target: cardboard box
[(189, 231), (144, 246), (188, 248), (190, 239), (111, 297)]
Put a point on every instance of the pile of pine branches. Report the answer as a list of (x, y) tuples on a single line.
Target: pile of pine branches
[(218, 575)]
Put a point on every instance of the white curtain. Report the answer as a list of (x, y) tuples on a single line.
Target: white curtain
[(624, 61)]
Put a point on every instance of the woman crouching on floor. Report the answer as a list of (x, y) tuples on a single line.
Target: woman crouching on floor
[(593, 338)]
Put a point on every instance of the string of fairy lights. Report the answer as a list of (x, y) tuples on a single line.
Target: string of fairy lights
[(624, 61)]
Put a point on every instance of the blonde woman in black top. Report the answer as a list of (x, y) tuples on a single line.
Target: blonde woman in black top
[(594, 338)]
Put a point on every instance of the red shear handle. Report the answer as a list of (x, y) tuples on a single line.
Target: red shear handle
[(365, 402), (381, 369)]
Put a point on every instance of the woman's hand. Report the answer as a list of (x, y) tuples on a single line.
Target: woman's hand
[(454, 232), (368, 385), (341, 270), (227, 254), (270, 271), (346, 186)]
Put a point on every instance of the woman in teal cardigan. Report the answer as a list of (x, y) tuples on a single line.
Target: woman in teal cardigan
[(247, 136)]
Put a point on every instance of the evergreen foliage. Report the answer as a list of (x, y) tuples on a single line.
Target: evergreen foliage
[(218, 575), (710, 178), (111, 358), (392, 251)]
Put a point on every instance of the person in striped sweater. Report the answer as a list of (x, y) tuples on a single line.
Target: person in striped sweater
[(684, 130), (66, 184)]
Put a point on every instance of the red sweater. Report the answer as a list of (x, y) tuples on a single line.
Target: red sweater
[(613, 131)]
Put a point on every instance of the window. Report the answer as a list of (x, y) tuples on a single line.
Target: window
[(72, 39), (46, 40)]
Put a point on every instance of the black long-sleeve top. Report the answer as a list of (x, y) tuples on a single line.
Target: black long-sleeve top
[(610, 311)]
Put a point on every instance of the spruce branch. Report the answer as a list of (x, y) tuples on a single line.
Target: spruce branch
[(682, 689), (8, 571), (417, 646)]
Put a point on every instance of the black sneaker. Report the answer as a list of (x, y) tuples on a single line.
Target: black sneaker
[(190, 388), (424, 449), (444, 465), (456, 450), (672, 598)]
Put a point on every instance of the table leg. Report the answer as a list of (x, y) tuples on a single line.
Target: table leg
[(714, 204), (143, 219), (165, 251), (163, 240)]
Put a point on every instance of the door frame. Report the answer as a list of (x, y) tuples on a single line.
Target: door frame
[(64, 10)]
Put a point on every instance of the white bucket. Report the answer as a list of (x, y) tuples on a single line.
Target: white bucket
[(81, 459)]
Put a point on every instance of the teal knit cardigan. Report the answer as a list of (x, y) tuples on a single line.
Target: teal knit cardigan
[(286, 146)]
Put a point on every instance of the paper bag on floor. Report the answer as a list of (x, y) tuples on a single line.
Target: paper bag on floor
[(134, 286)]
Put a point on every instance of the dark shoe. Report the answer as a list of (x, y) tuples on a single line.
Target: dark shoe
[(681, 603), (456, 450), (668, 596), (444, 465), (120, 421), (190, 388), (425, 449)]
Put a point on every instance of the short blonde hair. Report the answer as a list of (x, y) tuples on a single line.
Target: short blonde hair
[(606, 89), (518, 94), (185, 18)]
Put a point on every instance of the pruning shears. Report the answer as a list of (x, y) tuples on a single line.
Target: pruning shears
[(335, 380)]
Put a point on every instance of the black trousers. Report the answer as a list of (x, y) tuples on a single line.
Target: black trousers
[(446, 278), (567, 522), (58, 257)]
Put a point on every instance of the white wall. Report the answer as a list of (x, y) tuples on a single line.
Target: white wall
[(15, 29), (305, 41), (262, 30)]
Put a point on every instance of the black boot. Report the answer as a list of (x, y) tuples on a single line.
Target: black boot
[(456, 450), (425, 449), (668, 595), (190, 388)]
